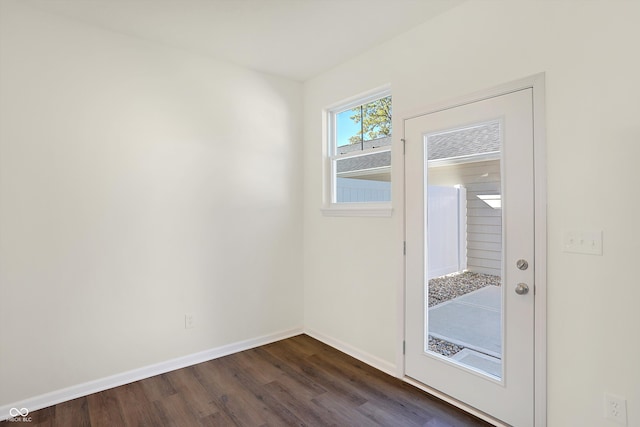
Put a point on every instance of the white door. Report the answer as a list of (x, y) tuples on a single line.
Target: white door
[(470, 335)]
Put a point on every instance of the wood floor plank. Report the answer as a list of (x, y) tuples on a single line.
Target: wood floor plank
[(219, 419), (343, 412), (72, 413), (136, 408), (223, 396), (380, 391), (381, 387), (257, 367), (301, 406), (384, 417), (42, 418), (185, 383), (240, 404), (174, 411), (297, 381), (303, 383), (104, 409), (380, 394), (332, 384), (157, 387), (286, 417), (303, 346)]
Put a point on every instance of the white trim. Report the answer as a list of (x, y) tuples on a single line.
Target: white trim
[(515, 86), (482, 157), (359, 99), (80, 390), (401, 197), (371, 360), (537, 84), (381, 210), (540, 265)]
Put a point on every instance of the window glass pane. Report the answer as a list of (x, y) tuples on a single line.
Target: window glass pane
[(373, 143), (373, 120), (348, 128), (359, 130), (376, 121), (364, 178)]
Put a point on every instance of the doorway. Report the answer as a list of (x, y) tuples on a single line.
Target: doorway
[(470, 330)]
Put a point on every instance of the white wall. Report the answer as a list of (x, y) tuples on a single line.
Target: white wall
[(353, 266), (138, 183)]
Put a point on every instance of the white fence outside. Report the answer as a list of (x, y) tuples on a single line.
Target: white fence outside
[(446, 230), (350, 190)]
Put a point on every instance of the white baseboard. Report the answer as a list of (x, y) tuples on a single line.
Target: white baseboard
[(79, 390), (363, 356)]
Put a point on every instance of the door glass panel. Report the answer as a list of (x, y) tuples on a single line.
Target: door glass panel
[(464, 247)]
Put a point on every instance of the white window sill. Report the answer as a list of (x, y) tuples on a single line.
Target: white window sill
[(382, 210)]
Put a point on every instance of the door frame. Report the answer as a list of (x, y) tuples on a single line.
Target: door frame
[(537, 83)]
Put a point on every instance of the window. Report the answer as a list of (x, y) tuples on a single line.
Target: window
[(359, 155)]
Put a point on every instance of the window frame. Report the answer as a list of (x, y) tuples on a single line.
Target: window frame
[(330, 153)]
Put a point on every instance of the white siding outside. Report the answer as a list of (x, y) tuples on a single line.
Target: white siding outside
[(484, 223)]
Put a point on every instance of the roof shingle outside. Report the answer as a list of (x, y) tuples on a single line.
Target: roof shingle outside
[(373, 143), (464, 142), (480, 139), (369, 161)]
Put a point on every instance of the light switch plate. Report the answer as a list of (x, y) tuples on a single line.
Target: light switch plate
[(189, 321), (583, 242)]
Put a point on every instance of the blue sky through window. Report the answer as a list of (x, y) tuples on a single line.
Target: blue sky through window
[(345, 127)]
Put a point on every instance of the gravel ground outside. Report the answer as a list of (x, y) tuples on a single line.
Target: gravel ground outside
[(454, 285), (451, 286), (442, 347)]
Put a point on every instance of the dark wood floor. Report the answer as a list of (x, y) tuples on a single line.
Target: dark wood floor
[(298, 381)]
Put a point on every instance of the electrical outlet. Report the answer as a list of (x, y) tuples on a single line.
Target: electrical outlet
[(189, 321), (615, 408)]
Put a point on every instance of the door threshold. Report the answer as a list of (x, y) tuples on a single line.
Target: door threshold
[(450, 400)]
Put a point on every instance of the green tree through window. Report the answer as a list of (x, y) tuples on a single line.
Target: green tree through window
[(374, 119)]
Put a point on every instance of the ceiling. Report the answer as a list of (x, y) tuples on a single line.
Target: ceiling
[(297, 39)]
